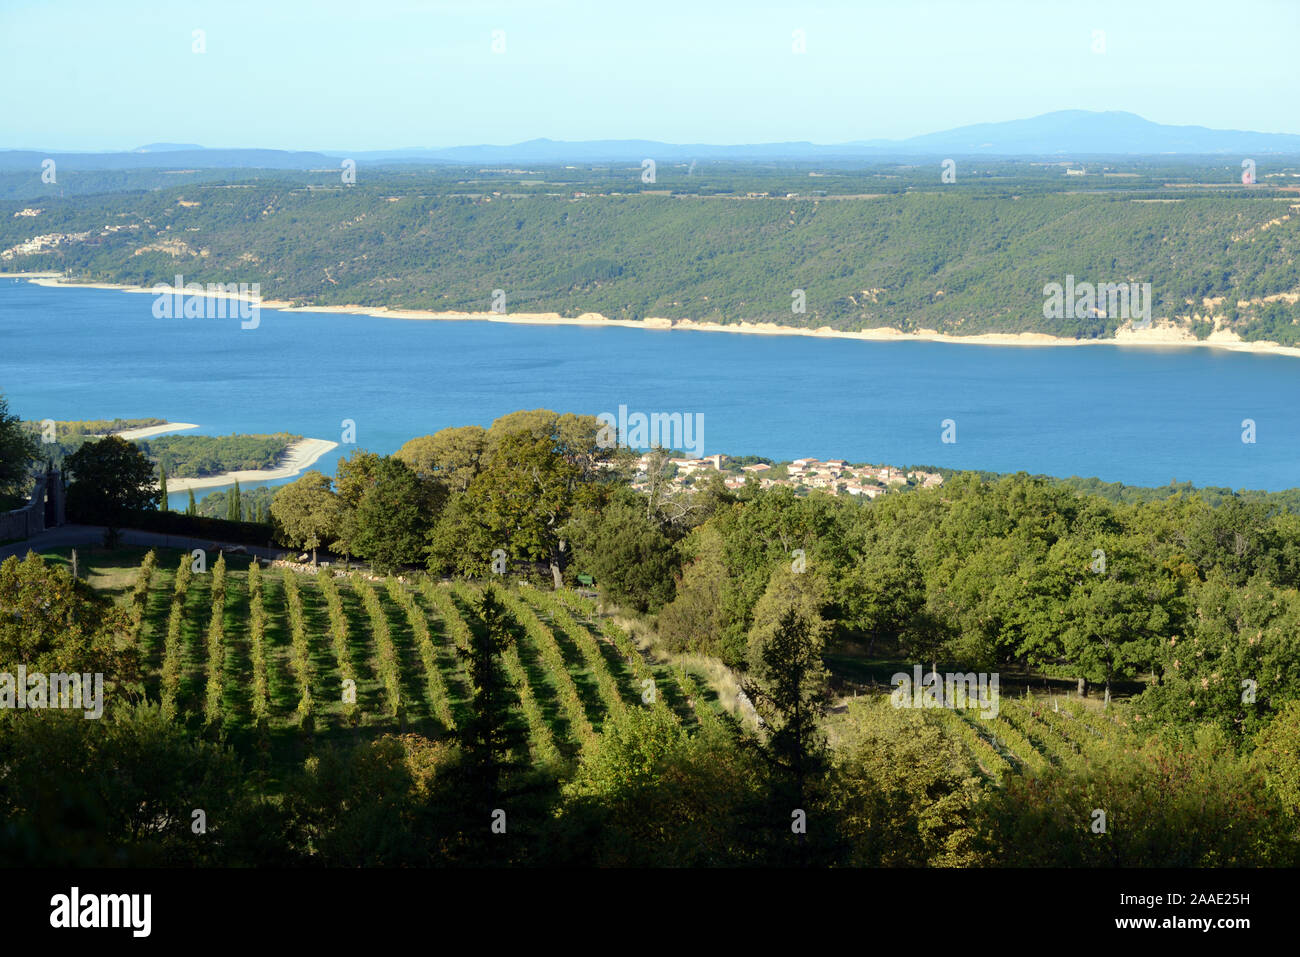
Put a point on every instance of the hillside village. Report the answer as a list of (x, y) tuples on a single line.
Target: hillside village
[(835, 476)]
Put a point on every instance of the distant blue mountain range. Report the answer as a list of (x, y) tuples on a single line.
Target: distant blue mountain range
[(1065, 133)]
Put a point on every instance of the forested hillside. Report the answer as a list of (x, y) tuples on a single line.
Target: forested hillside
[(885, 247)]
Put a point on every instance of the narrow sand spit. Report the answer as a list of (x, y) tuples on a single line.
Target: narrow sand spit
[(152, 430), (298, 457)]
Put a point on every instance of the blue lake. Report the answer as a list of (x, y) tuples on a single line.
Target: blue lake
[(1138, 415)]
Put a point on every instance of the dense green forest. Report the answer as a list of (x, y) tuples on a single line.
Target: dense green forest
[(82, 182), (1284, 500), (193, 456), (885, 245), (94, 427), (252, 503)]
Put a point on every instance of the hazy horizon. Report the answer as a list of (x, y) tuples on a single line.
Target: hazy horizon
[(163, 147), (401, 75)]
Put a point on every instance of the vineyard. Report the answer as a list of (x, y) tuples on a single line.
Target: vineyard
[(237, 648), (243, 647), (1029, 734)]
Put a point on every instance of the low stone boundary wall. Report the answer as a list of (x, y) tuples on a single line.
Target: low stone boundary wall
[(26, 521)]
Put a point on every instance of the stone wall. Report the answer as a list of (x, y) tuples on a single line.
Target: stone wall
[(26, 521)]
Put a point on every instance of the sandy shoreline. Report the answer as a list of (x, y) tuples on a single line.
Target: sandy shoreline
[(51, 280), (298, 458), (1162, 336), (150, 431)]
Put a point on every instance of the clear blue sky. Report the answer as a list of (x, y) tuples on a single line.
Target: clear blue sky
[(379, 74)]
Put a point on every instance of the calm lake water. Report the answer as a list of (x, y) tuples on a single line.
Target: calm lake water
[(1137, 415)]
